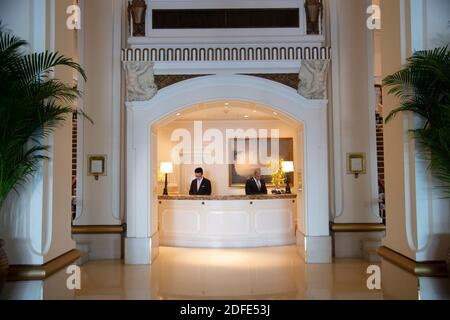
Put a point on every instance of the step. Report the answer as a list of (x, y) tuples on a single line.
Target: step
[(369, 249), (83, 247)]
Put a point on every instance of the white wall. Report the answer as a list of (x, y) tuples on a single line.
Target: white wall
[(353, 113), (218, 173), (99, 201), (17, 15)]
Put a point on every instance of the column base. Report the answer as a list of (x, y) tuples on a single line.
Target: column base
[(314, 249), (141, 250)]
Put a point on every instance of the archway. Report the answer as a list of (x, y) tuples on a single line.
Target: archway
[(141, 244)]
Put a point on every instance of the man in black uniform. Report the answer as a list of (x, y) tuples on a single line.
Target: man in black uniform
[(200, 186), (256, 185)]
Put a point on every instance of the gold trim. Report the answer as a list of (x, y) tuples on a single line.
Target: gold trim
[(361, 156), (30, 272), (98, 157), (420, 269), (357, 227), (113, 229)]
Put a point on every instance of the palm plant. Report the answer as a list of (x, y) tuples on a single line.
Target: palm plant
[(32, 105), (423, 87)]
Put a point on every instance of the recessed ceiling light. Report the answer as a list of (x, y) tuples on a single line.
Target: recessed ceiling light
[(254, 111), (275, 113), (246, 116), (227, 103), (178, 114)]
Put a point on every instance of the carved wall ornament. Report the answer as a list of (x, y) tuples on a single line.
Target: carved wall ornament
[(140, 80), (313, 79)]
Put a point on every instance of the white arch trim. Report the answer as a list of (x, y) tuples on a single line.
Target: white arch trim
[(141, 245)]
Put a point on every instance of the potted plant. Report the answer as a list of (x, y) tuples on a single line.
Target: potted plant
[(423, 87), (32, 105)]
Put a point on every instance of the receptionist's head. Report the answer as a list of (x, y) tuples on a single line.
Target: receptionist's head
[(257, 173), (199, 173)]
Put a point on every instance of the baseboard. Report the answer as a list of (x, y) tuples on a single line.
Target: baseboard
[(314, 249), (42, 272), (141, 251)]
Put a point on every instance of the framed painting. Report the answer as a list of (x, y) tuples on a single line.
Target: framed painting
[(242, 160)]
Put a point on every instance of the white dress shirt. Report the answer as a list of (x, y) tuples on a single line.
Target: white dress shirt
[(199, 183), (258, 183)]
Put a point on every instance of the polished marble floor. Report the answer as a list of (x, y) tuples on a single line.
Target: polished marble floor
[(261, 273)]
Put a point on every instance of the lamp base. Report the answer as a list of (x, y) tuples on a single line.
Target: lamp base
[(288, 189), (165, 192)]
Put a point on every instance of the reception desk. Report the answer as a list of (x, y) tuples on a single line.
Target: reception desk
[(227, 221)]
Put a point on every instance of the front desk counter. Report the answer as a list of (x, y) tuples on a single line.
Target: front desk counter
[(227, 221)]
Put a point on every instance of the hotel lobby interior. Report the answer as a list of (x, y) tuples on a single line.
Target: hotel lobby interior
[(224, 150)]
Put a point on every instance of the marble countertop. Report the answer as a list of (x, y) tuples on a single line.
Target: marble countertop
[(230, 197)]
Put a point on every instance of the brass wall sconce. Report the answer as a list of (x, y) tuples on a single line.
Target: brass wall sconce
[(314, 14), (137, 9), (356, 164), (96, 166)]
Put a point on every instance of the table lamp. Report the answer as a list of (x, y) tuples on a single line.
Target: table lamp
[(166, 168), (287, 167)]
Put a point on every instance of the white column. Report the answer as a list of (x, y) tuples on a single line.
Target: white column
[(417, 223)]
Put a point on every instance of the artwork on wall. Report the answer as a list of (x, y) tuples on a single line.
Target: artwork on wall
[(242, 162)]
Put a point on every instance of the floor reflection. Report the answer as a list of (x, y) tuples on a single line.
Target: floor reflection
[(261, 273)]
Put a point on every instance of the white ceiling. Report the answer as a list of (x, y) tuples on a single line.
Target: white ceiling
[(220, 110), (226, 111)]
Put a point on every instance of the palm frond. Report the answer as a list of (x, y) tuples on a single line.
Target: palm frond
[(32, 105), (423, 87)]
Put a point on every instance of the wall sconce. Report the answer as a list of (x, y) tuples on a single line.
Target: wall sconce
[(96, 166), (287, 167), (356, 164), (314, 13), (166, 168), (137, 9)]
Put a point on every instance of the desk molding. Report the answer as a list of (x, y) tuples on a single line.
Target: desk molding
[(231, 197)]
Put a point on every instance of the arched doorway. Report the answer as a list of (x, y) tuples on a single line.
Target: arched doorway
[(141, 244)]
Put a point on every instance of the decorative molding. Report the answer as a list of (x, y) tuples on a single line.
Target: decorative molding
[(42, 272), (205, 54), (313, 79), (288, 79), (419, 269), (140, 84), (357, 227), (163, 81), (118, 229)]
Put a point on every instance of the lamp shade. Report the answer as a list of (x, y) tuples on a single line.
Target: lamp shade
[(166, 167), (287, 166)]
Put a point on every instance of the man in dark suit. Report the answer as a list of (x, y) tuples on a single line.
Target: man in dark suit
[(200, 186), (256, 185)]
